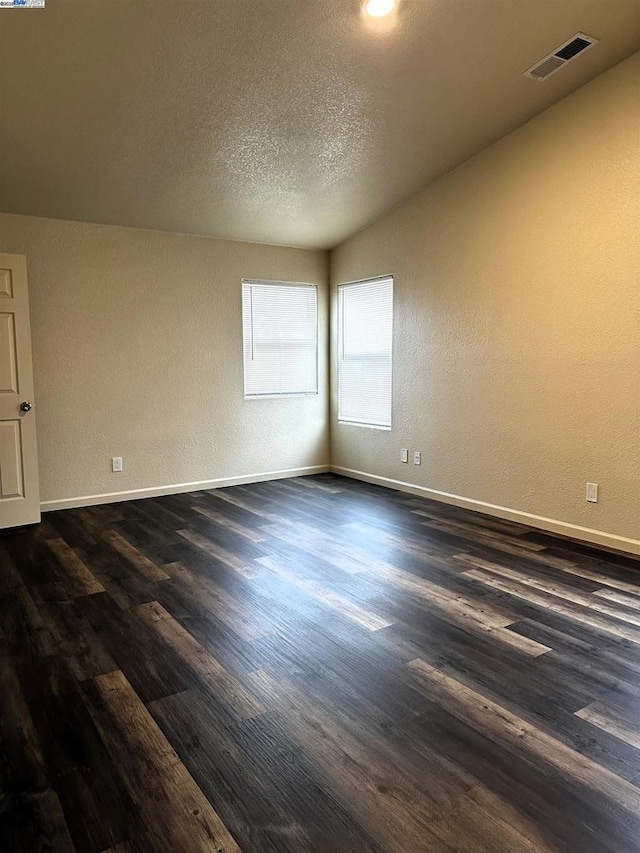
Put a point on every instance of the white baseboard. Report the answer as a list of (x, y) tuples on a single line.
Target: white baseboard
[(551, 525), (179, 488), (573, 531)]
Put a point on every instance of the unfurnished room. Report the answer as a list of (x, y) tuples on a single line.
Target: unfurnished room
[(320, 426)]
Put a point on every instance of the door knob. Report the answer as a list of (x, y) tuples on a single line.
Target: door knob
[(26, 406)]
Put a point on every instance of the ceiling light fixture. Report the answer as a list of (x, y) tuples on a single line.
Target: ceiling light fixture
[(379, 8)]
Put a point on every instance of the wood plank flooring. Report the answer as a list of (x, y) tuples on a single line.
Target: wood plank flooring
[(314, 665)]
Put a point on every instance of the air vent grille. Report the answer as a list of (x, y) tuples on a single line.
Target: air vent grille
[(573, 48), (561, 56), (547, 67)]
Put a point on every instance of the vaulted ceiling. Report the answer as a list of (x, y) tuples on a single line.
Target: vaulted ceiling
[(281, 121)]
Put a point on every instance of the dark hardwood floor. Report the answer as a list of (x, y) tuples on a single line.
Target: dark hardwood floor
[(314, 665)]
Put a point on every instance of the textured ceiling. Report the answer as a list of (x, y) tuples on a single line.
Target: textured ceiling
[(281, 121)]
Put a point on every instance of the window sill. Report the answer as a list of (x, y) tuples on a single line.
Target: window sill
[(280, 396), (366, 426)]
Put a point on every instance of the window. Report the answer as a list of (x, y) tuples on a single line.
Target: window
[(365, 323), (280, 335)]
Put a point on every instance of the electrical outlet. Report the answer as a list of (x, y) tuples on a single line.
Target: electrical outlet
[(417, 457), (404, 455), (592, 493), (116, 463)]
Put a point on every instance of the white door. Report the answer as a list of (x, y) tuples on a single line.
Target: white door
[(19, 491)]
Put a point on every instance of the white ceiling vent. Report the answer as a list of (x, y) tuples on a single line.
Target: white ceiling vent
[(563, 54)]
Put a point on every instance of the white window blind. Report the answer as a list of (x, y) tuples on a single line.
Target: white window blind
[(280, 334), (365, 318)]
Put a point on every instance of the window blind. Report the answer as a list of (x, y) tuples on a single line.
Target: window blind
[(365, 323), (280, 335)]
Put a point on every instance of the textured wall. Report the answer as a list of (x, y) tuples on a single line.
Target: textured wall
[(137, 343), (517, 318)]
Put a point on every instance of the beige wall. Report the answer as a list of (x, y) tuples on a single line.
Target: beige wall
[(137, 343), (517, 318)]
